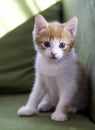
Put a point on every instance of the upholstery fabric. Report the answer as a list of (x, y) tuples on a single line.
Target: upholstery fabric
[(10, 121), (85, 41), (17, 55)]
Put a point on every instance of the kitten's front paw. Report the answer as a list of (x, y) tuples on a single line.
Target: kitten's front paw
[(25, 111), (59, 116)]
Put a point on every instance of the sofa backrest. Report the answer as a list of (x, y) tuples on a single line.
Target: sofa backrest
[(85, 40), (17, 55)]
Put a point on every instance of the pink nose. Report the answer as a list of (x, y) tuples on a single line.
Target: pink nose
[(53, 54)]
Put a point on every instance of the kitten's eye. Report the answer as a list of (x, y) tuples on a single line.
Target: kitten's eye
[(62, 45), (46, 44)]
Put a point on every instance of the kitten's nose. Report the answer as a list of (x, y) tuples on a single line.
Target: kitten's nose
[(53, 54)]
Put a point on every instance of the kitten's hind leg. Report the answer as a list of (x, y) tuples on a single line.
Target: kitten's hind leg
[(72, 109), (46, 104)]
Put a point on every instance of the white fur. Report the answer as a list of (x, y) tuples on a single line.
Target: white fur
[(55, 82)]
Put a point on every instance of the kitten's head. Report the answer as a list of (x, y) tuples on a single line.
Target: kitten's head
[(53, 40)]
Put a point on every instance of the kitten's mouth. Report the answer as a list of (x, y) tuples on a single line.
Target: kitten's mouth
[(53, 57)]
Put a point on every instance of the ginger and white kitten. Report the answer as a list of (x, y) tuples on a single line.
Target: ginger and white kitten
[(61, 80)]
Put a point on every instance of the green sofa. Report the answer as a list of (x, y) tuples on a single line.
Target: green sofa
[(17, 69)]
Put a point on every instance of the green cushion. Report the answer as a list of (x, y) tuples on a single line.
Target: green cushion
[(9, 105), (85, 41), (17, 55)]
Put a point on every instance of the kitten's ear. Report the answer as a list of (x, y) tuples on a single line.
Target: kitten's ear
[(71, 26), (40, 23)]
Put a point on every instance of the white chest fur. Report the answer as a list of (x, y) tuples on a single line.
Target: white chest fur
[(54, 68), (61, 73)]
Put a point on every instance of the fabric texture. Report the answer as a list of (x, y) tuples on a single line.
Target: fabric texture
[(9, 105), (85, 40)]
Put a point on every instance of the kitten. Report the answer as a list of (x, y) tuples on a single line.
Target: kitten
[(61, 80)]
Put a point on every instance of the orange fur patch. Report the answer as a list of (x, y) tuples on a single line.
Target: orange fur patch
[(53, 30)]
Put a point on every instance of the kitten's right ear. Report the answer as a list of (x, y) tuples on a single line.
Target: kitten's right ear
[(40, 24)]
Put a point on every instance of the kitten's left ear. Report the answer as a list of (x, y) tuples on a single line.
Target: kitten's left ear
[(71, 26)]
